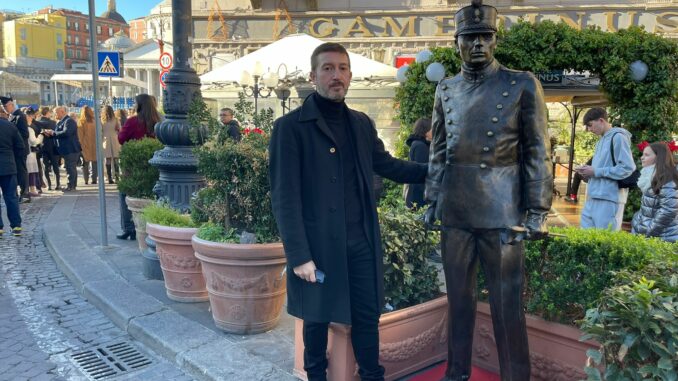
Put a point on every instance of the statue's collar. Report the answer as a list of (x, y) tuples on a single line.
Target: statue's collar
[(478, 75)]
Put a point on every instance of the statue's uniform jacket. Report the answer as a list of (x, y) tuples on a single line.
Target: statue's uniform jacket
[(489, 160)]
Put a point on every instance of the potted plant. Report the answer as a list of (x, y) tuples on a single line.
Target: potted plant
[(242, 258), (172, 233), (565, 277), (137, 180), (413, 329)]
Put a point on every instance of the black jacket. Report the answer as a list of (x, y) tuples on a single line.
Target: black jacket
[(11, 148), (307, 191), (233, 130), (19, 120), (419, 151), (48, 147)]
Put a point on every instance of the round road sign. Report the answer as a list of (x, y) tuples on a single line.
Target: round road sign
[(163, 77), (165, 60)]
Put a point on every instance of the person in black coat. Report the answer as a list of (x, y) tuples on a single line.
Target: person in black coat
[(419, 143), (323, 156), (67, 144), (231, 125), (11, 151), (50, 156), (19, 120)]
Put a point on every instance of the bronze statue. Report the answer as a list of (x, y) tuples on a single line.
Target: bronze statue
[(490, 184)]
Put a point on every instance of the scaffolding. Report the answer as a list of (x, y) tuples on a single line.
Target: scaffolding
[(221, 33), (280, 10)]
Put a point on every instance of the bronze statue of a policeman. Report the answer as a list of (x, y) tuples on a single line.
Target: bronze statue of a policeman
[(489, 179)]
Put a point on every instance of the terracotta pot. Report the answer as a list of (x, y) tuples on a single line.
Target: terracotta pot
[(246, 284), (180, 268), (556, 354), (136, 205), (409, 339)]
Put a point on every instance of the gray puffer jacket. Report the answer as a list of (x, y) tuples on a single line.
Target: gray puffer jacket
[(658, 214)]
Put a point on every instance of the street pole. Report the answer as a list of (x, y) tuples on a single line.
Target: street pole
[(97, 122), (176, 162)]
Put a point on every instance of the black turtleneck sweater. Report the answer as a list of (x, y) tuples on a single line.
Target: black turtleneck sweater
[(336, 117)]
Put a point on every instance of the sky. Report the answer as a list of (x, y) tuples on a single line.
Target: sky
[(129, 9)]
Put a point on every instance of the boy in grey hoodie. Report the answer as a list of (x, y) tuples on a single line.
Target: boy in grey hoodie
[(605, 201)]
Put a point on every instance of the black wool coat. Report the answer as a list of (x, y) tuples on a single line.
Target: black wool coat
[(11, 148), (307, 189)]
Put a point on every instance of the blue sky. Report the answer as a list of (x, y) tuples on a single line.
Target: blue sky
[(129, 9)]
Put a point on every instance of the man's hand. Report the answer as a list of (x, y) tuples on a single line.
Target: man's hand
[(430, 216), (536, 226), (306, 271), (586, 171)]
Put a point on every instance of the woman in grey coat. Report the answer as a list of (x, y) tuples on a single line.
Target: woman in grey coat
[(658, 214)]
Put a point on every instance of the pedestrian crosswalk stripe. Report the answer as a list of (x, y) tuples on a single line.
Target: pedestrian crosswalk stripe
[(107, 66)]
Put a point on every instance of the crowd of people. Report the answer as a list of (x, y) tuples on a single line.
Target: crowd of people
[(36, 144)]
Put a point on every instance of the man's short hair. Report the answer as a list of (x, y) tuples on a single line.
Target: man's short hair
[(226, 109), (595, 114), (44, 110), (328, 47)]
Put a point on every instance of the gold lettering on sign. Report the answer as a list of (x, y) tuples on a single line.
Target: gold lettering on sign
[(358, 26), (569, 21), (390, 23), (664, 20), (314, 28), (445, 23), (611, 25)]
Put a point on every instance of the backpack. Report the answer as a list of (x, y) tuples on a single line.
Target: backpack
[(628, 182)]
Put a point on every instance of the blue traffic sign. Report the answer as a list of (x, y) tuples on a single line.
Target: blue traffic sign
[(109, 64)]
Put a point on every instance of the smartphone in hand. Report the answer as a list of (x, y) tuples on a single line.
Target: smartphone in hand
[(319, 276)]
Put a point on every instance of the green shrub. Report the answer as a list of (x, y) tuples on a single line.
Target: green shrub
[(636, 323), (408, 278), (137, 177), (164, 215), (217, 233), (567, 276)]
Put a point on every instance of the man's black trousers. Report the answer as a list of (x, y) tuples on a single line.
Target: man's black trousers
[(503, 266), (364, 318)]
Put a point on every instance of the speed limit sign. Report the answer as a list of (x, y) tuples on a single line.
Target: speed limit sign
[(166, 60)]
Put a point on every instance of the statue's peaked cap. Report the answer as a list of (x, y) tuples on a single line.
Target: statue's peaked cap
[(476, 18)]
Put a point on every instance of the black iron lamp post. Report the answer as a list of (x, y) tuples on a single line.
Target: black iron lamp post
[(251, 86), (176, 162)]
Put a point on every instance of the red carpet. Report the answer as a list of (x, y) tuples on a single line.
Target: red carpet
[(437, 373)]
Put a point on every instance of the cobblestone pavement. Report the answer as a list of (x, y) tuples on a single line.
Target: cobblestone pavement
[(43, 319)]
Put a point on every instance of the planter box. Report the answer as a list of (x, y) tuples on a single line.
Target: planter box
[(181, 270), (410, 339), (556, 354), (245, 283), (136, 205)]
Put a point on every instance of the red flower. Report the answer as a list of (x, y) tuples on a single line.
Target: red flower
[(673, 145), (642, 145)]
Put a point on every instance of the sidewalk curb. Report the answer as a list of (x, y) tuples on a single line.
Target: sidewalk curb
[(199, 351)]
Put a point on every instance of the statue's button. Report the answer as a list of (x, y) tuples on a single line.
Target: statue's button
[(449, 121), (483, 165), (477, 19), (333, 150), (448, 162), (486, 149), (500, 106), (505, 93), (333, 179), (495, 119), (444, 87), (490, 133), (513, 82), (449, 134), (448, 110), (482, 76), (446, 98)]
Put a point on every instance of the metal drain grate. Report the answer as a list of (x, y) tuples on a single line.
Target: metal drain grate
[(110, 360)]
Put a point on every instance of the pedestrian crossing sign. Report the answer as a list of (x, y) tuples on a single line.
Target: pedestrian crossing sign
[(109, 64)]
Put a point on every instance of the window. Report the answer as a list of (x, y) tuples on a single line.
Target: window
[(77, 40), (87, 41), (70, 53), (77, 54), (60, 39), (68, 38), (110, 31), (98, 29), (60, 54), (22, 32), (23, 50), (87, 26), (68, 24), (77, 25)]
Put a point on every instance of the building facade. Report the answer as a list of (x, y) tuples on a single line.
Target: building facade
[(35, 41), (137, 29)]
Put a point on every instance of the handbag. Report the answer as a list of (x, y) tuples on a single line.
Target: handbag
[(628, 182)]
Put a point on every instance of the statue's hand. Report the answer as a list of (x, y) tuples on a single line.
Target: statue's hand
[(430, 216), (536, 226)]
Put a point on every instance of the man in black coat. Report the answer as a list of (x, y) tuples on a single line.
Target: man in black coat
[(11, 151), (50, 156), (19, 119), (68, 145), (322, 159), (231, 125)]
